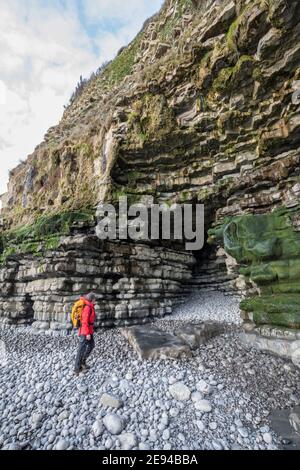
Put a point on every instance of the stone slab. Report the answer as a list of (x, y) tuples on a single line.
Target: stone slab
[(286, 348), (194, 335), (152, 343)]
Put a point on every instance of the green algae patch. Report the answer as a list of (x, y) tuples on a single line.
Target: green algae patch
[(281, 310), (240, 23), (150, 119), (267, 247), (227, 76), (259, 237), (43, 234)]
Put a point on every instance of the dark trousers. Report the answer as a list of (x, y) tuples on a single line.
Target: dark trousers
[(84, 350)]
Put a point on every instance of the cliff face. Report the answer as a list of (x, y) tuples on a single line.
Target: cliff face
[(203, 92), (200, 107)]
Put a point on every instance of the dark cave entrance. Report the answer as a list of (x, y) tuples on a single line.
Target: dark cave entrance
[(28, 308)]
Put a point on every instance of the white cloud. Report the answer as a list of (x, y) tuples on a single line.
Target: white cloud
[(3, 93), (125, 19), (44, 47), (102, 10)]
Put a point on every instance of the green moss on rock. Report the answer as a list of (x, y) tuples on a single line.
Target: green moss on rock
[(281, 310), (268, 248), (43, 234), (259, 237), (122, 65), (227, 76)]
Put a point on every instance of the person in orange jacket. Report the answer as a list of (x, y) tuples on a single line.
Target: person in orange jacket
[(86, 333)]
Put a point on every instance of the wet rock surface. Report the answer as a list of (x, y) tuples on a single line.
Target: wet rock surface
[(223, 401), (286, 424)]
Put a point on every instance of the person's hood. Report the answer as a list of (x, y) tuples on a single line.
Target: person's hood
[(87, 302)]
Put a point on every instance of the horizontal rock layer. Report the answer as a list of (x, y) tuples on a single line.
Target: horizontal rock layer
[(132, 283)]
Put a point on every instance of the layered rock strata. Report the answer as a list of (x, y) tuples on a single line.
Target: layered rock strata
[(133, 282), (201, 107)]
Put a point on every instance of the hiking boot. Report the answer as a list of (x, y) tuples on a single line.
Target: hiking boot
[(77, 372)]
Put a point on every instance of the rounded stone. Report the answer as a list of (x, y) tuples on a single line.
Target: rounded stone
[(203, 387), (267, 437), (180, 391), (111, 401), (144, 446), (203, 405), (113, 423), (97, 428), (128, 441), (243, 432), (62, 444)]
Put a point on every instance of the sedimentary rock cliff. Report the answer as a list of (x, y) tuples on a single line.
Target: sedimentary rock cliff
[(201, 107)]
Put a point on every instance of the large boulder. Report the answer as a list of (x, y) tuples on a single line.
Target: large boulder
[(194, 335), (152, 343)]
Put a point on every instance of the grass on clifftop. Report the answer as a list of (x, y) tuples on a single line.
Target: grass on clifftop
[(122, 65)]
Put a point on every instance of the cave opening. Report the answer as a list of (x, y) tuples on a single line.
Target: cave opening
[(28, 308)]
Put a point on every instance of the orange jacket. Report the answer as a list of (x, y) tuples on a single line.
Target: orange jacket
[(88, 319)]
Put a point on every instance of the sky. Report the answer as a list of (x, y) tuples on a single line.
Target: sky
[(45, 45)]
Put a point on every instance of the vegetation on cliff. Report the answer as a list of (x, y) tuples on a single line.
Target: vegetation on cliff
[(43, 234), (267, 247)]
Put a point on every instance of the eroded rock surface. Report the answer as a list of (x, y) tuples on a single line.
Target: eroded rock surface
[(153, 343), (195, 335), (286, 425)]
